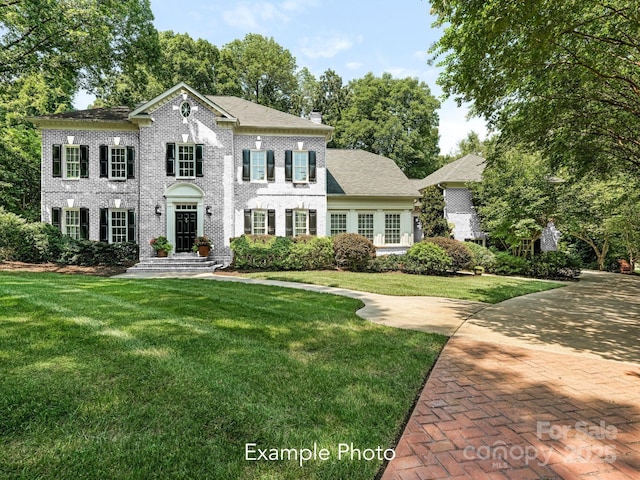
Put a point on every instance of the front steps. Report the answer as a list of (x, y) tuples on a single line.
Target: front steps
[(180, 262)]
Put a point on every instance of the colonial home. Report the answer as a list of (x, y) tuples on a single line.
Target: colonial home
[(184, 165)]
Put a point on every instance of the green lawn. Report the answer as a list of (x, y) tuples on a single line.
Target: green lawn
[(115, 378), (481, 288)]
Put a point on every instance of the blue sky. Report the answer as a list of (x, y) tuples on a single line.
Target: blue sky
[(352, 37)]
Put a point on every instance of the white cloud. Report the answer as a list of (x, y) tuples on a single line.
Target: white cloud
[(254, 15), (454, 125), (353, 65), (327, 46)]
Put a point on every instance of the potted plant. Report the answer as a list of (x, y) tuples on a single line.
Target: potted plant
[(202, 245), (161, 245)]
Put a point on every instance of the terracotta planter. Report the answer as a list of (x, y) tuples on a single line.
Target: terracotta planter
[(204, 250), (161, 253)]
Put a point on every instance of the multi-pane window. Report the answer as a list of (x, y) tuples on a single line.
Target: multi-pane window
[(300, 222), (365, 225), (72, 223), (186, 161), (118, 163), (338, 223), (300, 167), (72, 161), (392, 228), (118, 226), (259, 222), (258, 165)]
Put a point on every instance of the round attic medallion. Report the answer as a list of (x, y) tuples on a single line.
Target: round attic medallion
[(185, 109)]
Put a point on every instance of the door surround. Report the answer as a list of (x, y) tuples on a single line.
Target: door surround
[(183, 193)]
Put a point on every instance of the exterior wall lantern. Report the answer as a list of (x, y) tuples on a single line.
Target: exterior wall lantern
[(158, 210), (208, 210)]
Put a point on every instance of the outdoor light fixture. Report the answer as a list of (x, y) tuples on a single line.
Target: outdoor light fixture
[(158, 210), (208, 210)]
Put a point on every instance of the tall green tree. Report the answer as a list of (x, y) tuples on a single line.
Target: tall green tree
[(258, 69), (561, 75), (302, 100), (395, 118), (432, 213)]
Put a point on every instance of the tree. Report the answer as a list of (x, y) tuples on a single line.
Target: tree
[(73, 40), (303, 98), (562, 76), (515, 200), (181, 59), (331, 97), (258, 69), (432, 213), (395, 118)]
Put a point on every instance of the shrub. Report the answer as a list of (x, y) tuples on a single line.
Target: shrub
[(310, 253), (558, 265), (507, 264), (427, 258), (387, 263), (458, 252), (260, 252), (41, 243), (353, 251), (481, 257), (92, 253), (10, 234)]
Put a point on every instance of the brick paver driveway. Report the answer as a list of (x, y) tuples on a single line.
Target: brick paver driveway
[(541, 386)]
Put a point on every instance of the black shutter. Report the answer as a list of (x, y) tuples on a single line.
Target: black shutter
[(271, 222), (171, 160), (57, 160), (312, 166), (288, 215), (246, 165), (56, 214), (131, 163), (313, 222), (271, 166), (104, 161), (131, 226), (84, 161), (247, 221), (104, 224), (84, 223), (199, 171), (288, 166)]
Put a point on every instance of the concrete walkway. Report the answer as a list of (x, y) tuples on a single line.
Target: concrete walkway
[(542, 386)]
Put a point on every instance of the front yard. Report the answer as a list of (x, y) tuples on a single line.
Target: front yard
[(114, 378)]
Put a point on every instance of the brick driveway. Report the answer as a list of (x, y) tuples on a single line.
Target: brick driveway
[(543, 386)]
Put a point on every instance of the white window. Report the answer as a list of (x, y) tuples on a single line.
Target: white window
[(258, 165), (118, 163), (392, 228), (118, 226), (186, 161), (72, 161), (300, 222), (259, 222), (300, 167), (365, 225), (72, 223), (338, 223)]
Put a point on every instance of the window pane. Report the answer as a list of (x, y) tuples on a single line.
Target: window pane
[(365, 225), (392, 228), (118, 163), (258, 166), (259, 222), (186, 161), (118, 226), (338, 223), (300, 223), (72, 223), (300, 166), (72, 164)]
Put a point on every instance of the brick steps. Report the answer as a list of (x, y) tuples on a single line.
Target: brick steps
[(176, 263)]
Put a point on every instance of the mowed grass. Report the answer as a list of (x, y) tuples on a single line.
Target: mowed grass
[(121, 379), (480, 288)]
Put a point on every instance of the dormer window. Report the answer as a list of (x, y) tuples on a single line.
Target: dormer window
[(185, 109)]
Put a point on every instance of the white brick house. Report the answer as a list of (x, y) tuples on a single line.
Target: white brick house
[(183, 165)]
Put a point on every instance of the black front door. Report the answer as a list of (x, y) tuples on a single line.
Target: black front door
[(185, 230)]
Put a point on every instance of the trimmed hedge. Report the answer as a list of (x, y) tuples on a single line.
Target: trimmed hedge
[(457, 251), (264, 252), (10, 234), (353, 251), (427, 258), (507, 264), (481, 257), (310, 253), (91, 253), (387, 263), (557, 265), (40, 243)]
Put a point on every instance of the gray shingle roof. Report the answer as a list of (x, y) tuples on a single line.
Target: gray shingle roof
[(113, 114), (361, 173), (466, 169)]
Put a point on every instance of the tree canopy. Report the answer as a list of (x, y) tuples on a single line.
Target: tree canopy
[(562, 76)]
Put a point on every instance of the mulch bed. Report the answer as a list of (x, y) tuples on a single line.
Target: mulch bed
[(100, 271)]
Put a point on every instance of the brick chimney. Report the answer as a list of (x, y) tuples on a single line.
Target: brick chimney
[(316, 117)]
